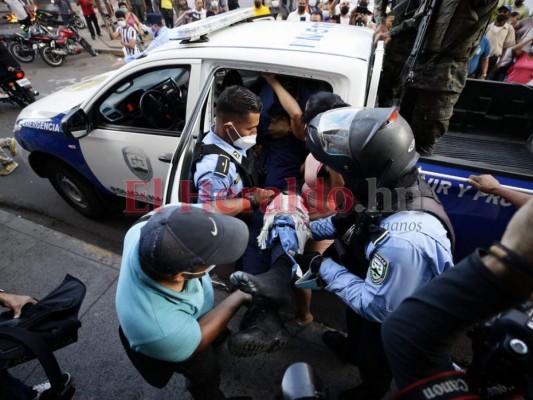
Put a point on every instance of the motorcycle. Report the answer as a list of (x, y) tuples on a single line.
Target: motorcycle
[(25, 46), (54, 15), (18, 89), (53, 18), (65, 42)]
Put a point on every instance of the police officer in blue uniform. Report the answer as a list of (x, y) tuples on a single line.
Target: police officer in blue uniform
[(224, 161), (396, 238), (225, 177)]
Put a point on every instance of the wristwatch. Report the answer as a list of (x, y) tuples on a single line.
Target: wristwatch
[(253, 200)]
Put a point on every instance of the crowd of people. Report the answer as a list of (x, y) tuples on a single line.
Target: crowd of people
[(505, 52)]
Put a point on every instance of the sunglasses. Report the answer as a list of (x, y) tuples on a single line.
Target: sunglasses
[(192, 275)]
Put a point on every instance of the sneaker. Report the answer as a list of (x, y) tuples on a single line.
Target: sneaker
[(40, 388), (13, 147), (8, 168), (66, 390), (266, 336)]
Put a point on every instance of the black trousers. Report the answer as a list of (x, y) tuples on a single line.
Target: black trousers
[(138, 11), (168, 16), (92, 24), (201, 370), (367, 353)]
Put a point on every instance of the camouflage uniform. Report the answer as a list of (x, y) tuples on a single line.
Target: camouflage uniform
[(439, 78)]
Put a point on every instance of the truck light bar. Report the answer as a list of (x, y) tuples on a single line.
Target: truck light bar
[(197, 29)]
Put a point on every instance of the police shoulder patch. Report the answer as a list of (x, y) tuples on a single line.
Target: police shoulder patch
[(379, 266), (222, 167)]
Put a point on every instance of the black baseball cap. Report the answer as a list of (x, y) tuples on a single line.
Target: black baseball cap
[(177, 239), (153, 19)]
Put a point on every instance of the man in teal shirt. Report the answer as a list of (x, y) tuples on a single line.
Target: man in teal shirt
[(165, 301)]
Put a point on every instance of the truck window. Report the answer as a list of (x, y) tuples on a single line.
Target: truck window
[(154, 99)]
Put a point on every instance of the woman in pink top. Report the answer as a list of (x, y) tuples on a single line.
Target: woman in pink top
[(522, 69)]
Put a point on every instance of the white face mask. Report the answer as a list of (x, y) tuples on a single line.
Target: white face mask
[(275, 3), (312, 3), (243, 142), (325, 14), (122, 24)]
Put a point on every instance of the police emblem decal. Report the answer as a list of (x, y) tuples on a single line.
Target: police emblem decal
[(379, 266), (138, 162)]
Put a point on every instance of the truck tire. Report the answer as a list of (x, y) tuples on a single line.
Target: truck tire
[(76, 190)]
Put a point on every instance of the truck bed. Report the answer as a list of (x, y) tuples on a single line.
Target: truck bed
[(491, 130), (486, 153)]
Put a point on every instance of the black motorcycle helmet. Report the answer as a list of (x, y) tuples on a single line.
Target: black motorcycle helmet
[(362, 143)]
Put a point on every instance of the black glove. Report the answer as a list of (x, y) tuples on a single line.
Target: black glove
[(309, 261), (343, 221)]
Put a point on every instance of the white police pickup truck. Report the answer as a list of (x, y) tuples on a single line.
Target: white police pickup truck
[(117, 134)]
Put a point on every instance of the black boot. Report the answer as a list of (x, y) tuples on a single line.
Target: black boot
[(262, 332), (274, 285)]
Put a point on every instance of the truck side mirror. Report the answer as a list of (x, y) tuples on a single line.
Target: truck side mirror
[(75, 124)]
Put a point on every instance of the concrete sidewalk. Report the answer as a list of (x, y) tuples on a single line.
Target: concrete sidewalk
[(35, 260)]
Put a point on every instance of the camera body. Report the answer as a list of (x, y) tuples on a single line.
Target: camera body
[(503, 353)]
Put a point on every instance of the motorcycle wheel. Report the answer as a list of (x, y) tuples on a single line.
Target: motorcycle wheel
[(23, 97), (17, 49), (85, 44), (79, 23), (50, 58)]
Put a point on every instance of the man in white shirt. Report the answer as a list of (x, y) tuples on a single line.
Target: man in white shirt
[(18, 8), (300, 14)]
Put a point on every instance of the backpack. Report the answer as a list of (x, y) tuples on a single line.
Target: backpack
[(42, 328)]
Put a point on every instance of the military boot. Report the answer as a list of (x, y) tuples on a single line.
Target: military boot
[(263, 332)]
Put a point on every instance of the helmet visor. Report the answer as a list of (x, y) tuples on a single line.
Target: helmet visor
[(329, 137)]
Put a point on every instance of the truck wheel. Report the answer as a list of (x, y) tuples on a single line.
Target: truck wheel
[(76, 191)]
